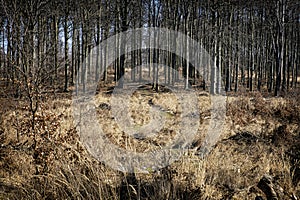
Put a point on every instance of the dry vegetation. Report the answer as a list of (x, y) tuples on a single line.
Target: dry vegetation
[(261, 137)]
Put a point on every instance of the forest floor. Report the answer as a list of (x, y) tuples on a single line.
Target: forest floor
[(261, 137)]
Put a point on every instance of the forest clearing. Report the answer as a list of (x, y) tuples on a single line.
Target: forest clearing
[(261, 136)]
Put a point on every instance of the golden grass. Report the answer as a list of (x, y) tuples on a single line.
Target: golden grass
[(61, 168)]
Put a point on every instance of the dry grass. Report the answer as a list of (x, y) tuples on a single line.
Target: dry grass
[(261, 136)]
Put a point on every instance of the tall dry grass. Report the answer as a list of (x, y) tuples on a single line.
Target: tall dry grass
[(261, 136)]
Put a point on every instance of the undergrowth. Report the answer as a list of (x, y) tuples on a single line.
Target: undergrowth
[(263, 137)]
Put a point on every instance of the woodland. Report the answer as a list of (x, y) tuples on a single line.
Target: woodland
[(47, 51)]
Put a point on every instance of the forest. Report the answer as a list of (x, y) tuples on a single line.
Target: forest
[(54, 54), (254, 44)]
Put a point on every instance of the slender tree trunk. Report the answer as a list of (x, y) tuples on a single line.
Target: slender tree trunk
[(280, 43), (66, 36)]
